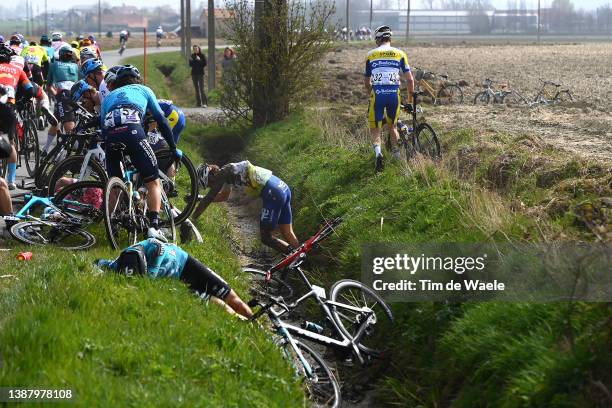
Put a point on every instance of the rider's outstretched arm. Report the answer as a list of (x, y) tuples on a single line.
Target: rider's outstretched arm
[(224, 174)]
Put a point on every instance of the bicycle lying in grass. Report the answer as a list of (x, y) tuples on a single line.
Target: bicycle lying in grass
[(356, 319), (420, 137), (63, 216), (503, 95)]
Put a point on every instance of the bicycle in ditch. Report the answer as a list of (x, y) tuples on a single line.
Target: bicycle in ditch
[(356, 320), (59, 220), (418, 137)]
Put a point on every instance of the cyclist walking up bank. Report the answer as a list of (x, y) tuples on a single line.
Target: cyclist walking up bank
[(384, 67), (157, 259), (251, 182), (122, 117)]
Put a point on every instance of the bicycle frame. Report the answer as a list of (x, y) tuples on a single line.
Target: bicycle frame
[(33, 201)]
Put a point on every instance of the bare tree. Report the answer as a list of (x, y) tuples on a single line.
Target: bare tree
[(278, 53)]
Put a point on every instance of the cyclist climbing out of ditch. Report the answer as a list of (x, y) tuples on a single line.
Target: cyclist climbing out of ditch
[(384, 68), (251, 182), (122, 116), (157, 259)]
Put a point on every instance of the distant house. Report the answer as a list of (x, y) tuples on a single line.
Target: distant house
[(221, 18), (123, 17)]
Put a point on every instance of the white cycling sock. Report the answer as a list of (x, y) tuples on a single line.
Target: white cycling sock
[(377, 150)]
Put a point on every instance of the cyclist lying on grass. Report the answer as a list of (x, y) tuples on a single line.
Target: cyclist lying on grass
[(157, 259), (251, 181)]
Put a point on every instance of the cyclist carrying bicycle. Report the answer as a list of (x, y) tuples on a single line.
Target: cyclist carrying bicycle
[(385, 66), (249, 182), (157, 259), (122, 121)]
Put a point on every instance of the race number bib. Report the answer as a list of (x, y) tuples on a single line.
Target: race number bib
[(121, 116), (388, 76)]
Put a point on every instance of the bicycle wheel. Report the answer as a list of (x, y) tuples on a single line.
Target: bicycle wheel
[(83, 199), (321, 384), (120, 219), (481, 98), (58, 234), (356, 294), (275, 286), (451, 94), (41, 178), (514, 98), (30, 147), (564, 96), (427, 141), (70, 168), (180, 182)]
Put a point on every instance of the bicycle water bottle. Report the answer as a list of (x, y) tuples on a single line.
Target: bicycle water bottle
[(313, 327)]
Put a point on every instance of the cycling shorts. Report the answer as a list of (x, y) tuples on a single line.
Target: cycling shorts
[(142, 156), (37, 74), (276, 209), (384, 105), (7, 120), (204, 280), (64, 109)]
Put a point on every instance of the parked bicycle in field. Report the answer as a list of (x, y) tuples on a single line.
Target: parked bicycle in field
[(444, 94), (500, 94), (547, 96), (356, 319)]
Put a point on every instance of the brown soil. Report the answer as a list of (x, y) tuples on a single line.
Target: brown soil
[(583, 127)]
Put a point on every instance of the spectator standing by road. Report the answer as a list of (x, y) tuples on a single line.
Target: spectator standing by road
[(197, 62)]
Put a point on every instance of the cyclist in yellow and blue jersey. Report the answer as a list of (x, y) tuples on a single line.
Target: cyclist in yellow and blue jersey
[(385, 66)]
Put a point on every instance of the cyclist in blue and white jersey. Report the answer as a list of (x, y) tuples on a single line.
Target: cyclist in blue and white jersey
[(385, 66), (157, 259), (122, 119)]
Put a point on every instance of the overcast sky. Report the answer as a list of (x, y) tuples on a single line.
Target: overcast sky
[(63, 4)]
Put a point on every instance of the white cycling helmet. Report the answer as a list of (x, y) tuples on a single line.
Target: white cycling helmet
[(202, 172), (383, 32), (56, 36)]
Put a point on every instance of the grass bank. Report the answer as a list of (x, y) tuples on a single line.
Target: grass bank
[(170, 79), (119, 341), (462, 355)]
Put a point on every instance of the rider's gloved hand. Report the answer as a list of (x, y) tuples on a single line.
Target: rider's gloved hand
[(178, 153)]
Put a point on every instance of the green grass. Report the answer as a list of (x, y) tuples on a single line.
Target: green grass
[(118, 341), (464, 355), (175, 83)]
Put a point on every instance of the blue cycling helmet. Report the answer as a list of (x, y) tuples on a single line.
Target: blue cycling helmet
[(90, 66), (128, 71), (78, 89)]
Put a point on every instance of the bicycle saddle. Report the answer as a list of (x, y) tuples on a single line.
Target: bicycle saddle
[(118, 147)]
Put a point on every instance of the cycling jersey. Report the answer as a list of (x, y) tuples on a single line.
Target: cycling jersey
[(104, 91), (175, 116), (11, 77), (56, 45), (384, 67), (166, 260), (35, 55), (159, 32), (128, 104), (163, 260), (63, 74)]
